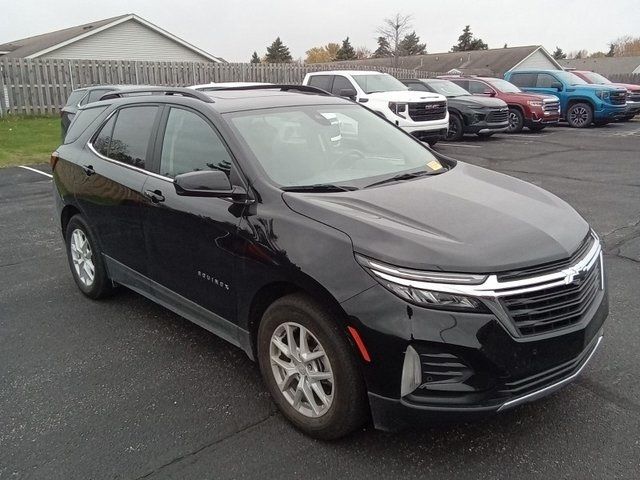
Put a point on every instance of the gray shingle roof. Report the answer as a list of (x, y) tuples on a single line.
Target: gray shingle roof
[(30, 45), (605, 65)]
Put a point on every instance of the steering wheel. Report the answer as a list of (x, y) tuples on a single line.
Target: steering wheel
[(352, 154)]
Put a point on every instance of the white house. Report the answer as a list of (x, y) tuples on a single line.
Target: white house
[(126, 37)]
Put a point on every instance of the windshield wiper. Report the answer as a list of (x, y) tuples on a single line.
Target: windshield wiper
[(404, 176), (319, 187)]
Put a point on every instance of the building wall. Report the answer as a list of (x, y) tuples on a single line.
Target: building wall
[(537, 60), (127, 41)]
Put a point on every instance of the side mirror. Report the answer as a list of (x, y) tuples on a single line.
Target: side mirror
[(488, 92), (349, 93), (557, 86), (214, 183)]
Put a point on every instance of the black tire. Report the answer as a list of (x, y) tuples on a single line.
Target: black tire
[(580, 115), (516, 120), (456, 128), (349, 408), (537, 128), (101, 286)]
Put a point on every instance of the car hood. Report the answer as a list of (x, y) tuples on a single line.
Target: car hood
[(476, 101), (406, 96), (468, 219), (594, 88), (523, 96), (628, 86)]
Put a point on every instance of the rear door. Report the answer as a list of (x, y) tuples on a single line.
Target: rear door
[(191, 240), (110, 190)]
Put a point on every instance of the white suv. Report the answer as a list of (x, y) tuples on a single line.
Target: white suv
[(422, 114)]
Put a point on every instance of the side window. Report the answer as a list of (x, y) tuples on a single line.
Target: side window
[(94, 95), (81, 121), (75, 97), (321, 81), (477, 87), (417, 86), (545, 80), (190, 144), (129, 138), (461, 83), (524, 79), (340, 83)]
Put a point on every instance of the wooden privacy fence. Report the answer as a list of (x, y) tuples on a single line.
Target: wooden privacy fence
[(42, 86)]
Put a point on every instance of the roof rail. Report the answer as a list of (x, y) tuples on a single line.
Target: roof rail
[(184, 92), (284, 88)]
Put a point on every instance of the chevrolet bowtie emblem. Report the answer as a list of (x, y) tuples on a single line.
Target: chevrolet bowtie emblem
[(570, 275)]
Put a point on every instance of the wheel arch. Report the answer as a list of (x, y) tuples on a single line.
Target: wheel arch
[(65, 216)]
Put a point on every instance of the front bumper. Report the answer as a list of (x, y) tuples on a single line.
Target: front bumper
[(431, 127), (607, 112), (633, 109)]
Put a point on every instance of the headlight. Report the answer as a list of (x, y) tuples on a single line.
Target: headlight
[(411, 285), (534, 103), (603, 94), (399, 109)]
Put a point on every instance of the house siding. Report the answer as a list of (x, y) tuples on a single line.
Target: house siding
[(537, 61), (129, 40)]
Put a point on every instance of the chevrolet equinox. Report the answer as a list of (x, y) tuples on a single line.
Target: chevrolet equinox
[(370, 277)]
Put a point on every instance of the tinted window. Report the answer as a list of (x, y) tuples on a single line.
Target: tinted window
[(190, 144), (81, 121), (524, 79), (95, 95), (462, 83), (340, 83), (417, 86), (477, 87), (75, 97), (102, 141), (545, 80), (321, 81)]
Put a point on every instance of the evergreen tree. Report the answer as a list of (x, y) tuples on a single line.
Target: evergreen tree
[(612, 50), (383, 50), (558, 54), (346, 51), (277, 52), (410, 45), (466, 42), (255, 58)]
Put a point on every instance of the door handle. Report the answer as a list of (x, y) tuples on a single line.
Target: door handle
[(88, 170), (155, 195)]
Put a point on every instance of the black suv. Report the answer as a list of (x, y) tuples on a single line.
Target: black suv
[(367, 274), (467, 113)]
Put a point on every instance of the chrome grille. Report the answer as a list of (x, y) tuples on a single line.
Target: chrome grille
[(633, 95), (618, 98), (551, 106), (498, 116), (425, 111)]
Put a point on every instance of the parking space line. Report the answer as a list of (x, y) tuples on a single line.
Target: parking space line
[(37, 171), (458, 145)]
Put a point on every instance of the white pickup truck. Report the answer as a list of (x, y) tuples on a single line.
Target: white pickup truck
[(423, 114)]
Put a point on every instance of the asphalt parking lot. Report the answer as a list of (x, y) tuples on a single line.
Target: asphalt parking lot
[(125, 389)]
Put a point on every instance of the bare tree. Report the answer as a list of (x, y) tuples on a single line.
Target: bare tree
[(394, 29)]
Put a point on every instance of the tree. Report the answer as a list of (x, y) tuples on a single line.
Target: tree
[(558, 54), (626, 46), (612, 50), (255, 58), (505, 46), (597, 55), (277, 52), (410, 45), (362, 53), (466, 42), (383, 50), (324, 54), (578, 54), (394, 29), (346, 51)]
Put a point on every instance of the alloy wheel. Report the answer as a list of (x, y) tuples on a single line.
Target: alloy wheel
[(513, 121), (302, 369), (579, 116), (82, 257), (453, 130)]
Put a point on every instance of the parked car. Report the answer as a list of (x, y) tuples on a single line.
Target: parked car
[(467, 113), (422, 114), (581, 104), (529, 110), (80, 97), (367, 274), (210, 87), (633, 91)]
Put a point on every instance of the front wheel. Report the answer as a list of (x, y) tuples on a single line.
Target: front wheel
[(516, 121), (456, 129), (580, 115), (310, 369)]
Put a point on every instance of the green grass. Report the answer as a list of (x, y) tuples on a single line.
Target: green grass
[(25, 140)]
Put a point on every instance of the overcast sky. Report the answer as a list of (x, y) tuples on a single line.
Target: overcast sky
[(233, 29)]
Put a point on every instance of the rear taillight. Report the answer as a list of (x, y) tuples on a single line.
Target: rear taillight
[(54, 160)]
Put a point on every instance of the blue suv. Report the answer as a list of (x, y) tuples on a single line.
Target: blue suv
[(581, 104)]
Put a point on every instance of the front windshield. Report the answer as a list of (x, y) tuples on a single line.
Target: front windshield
[(503, 85), (596, 78), (379, 82), (570, 78), (447, 88), (329, 144)]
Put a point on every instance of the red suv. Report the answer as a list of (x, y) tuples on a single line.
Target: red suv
[(525, 109), (633, 91)]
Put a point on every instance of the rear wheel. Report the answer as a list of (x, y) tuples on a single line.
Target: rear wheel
[(85, 259), (310, 368), (456, 129), (516, 120), (580, 115)]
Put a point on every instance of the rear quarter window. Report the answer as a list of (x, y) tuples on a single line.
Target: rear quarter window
[(75, 97), (83, 119)]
